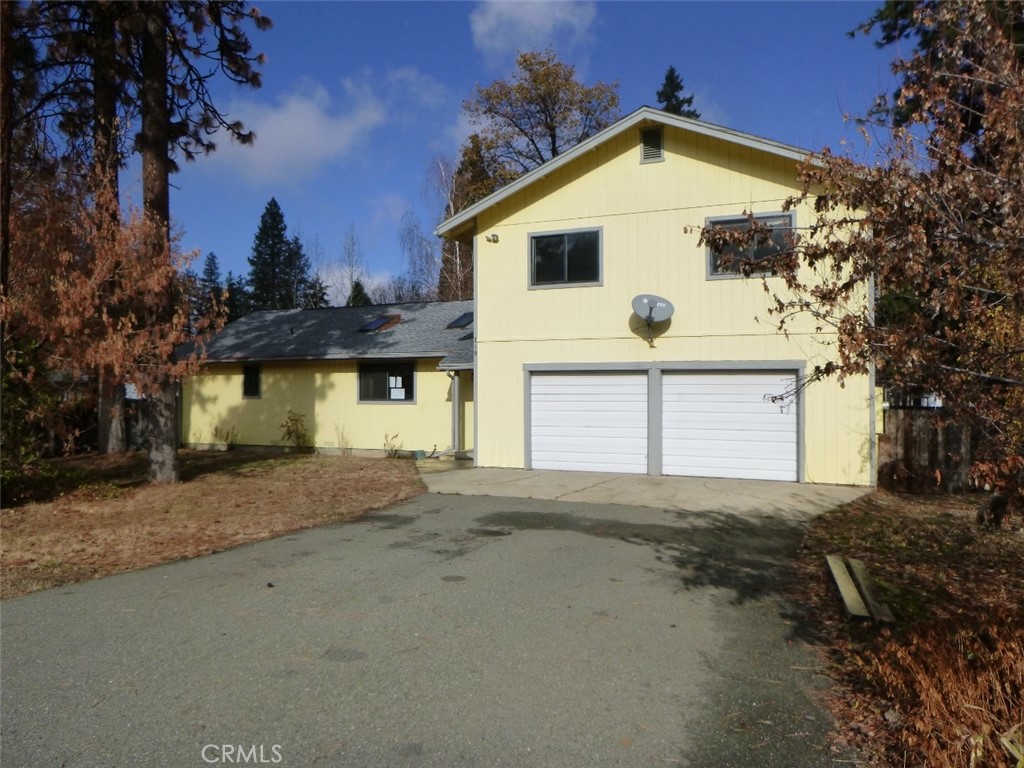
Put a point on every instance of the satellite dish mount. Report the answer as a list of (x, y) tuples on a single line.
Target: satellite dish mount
[(652, 309)]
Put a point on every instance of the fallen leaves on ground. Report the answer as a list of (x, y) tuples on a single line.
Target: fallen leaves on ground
[(947, 580)]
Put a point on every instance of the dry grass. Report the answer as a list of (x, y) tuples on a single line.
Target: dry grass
[(942, 686), (94, 515)]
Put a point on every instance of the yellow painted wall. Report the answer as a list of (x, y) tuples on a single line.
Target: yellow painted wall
[(644, 211), (326, 394), (467, 409)]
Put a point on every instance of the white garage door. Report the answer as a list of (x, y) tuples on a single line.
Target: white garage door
[(595, 422), (722, 425)]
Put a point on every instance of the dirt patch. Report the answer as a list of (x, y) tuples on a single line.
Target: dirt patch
[(96, 515), (947, 680)]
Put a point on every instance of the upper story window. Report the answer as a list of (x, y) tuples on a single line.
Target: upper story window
[(386, 382), (651, 149), (251, 384), (565, 258), (730, 260)]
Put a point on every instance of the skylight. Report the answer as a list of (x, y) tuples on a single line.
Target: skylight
[(462, 321), (377, 323)]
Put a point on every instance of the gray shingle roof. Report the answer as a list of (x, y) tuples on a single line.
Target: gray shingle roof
[(333, 334)]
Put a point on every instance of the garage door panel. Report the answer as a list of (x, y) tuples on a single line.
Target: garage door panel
[(700, 421), (721, 457), (775, 472), (726, 441), (572, 419), (594, 422), (722, 425), (723, 408), (588, 463), (607, 443)]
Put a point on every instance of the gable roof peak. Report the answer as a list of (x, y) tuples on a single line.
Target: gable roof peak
[(642, 116)]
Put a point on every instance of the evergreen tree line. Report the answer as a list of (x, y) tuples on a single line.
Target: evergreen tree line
[(280, 275)]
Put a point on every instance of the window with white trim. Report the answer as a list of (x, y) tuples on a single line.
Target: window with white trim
[(730, 260), (566, 258), (387, 382)]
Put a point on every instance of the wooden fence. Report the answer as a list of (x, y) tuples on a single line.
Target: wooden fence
[(919, 452)]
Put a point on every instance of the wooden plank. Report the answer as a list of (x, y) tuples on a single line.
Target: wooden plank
[(847, 589), (879, 610)]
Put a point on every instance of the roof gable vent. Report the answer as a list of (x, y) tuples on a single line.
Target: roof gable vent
[(651, 149)]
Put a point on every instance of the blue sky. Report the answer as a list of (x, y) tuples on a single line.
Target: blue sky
[(360, 98)]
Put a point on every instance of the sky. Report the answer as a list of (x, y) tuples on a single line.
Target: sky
[(360, 99)]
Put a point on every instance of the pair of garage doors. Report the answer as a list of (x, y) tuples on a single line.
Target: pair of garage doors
[(702, 424)]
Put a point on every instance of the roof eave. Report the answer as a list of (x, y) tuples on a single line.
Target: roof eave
[(433, 355)]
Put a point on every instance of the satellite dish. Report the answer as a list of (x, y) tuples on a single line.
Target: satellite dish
[(653, 309)]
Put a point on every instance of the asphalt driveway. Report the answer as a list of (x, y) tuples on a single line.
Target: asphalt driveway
[(454, 630)]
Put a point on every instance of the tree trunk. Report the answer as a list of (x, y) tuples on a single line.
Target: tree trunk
[(154, 142), (111, 437), (106, 161), (6, 136), (161, 416)]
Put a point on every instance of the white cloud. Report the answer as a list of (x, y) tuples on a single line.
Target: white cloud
[(409, 84), (502, 28), (299, 134)]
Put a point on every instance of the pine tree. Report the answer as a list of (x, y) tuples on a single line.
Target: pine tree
[(358, 297), (210, 281), (237, 302), (670, 99), (110, 64), (209, 288), (295, 276), (279, 269), (267, 264)]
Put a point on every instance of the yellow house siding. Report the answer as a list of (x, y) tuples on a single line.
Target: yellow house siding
[(467, 410), (649, 216), (326, 394)]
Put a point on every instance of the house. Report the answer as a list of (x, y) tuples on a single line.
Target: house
[(569, 372), (358, 376)]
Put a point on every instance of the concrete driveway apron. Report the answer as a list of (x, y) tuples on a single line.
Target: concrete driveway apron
[(454, 630)]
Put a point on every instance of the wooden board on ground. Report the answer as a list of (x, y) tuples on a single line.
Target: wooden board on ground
[(855, 606)]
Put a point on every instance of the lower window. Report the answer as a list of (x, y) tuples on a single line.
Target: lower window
[(386, 382), (251, 381)]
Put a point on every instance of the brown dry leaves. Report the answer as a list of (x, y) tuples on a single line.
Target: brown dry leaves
[(111, 522), (949, 583)]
